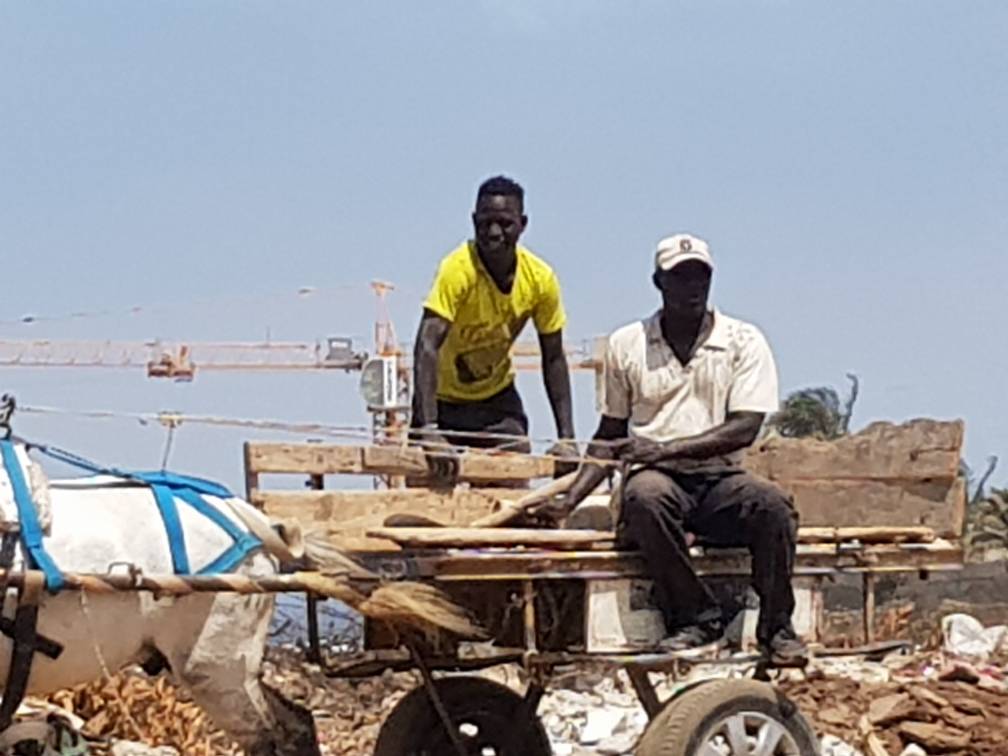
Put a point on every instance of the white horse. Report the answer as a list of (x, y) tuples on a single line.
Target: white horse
[(213, 644)]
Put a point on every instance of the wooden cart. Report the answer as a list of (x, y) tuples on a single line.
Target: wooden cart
[(552, 599)]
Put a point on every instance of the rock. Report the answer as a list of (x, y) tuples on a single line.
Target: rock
[(890, 708), (601, 724), (926, 696), (959, 672), (131, 748), (969, 706), (836, 715), (914, 750), (831, 745), (874, 746), (960, 720), (934, 737), (617, 745)]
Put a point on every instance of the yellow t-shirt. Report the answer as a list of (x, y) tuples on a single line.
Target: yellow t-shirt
[(475, 358)]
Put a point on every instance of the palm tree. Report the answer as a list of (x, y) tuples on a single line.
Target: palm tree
[(816, 413)]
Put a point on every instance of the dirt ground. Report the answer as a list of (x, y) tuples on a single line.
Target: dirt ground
[(966, 716)]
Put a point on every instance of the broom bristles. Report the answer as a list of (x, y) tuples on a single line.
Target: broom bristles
[(401, 603)]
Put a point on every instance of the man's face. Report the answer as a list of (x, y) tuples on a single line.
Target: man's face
[(498, 222), (685, 288)]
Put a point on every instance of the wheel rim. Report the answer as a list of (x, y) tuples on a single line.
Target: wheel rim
[(748, 733)]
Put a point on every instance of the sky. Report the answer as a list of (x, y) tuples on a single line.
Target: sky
[(846, 161)]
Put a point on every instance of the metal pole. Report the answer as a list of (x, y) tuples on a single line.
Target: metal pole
[(316, 483)]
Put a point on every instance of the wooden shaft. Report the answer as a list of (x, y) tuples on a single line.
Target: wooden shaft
[(514, 509), (183, 585)]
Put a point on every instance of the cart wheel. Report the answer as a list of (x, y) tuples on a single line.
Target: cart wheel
[(487, 715), (729, 718)]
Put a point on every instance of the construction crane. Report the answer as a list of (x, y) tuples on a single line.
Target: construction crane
[(385, 375), (180, 360)]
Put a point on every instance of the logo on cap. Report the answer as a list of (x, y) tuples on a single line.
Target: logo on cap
[(685, 245)]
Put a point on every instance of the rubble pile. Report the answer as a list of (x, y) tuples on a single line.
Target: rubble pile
[(948, 701)]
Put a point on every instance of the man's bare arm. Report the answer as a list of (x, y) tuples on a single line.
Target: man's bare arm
[(590, 474), (430, 336), (556, 376)]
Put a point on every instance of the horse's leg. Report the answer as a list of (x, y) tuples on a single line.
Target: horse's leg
[(221, 670)]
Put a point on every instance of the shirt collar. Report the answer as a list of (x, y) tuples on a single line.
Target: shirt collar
[(718, 338)]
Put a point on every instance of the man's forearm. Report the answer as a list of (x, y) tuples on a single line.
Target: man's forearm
[(425, 386), (556, 376), (729, 437), (590, 474)]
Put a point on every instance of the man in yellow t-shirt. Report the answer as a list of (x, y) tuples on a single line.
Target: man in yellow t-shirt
[(484, 293)]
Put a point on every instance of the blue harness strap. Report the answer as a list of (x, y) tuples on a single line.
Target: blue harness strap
[(244, 543), (164, 497), (169, 487), (31, 529)]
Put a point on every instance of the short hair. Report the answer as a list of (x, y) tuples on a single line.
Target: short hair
[(501, 186)]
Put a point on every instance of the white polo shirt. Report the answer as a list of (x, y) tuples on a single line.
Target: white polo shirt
[(732, 371)]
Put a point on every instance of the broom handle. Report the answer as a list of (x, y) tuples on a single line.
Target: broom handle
[(510, 510)]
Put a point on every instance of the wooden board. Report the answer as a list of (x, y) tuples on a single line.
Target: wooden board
[(461, 537), (921, 450), (470, 538), (519, 564), (337, 459), (867, 535), (842, 504), (346, 516)]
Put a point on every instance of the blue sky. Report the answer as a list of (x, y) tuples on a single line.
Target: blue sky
[(847, 162)]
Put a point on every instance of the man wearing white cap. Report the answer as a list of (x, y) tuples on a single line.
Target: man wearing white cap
[(686, 391)]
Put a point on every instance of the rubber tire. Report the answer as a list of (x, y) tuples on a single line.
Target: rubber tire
[(461, 696), (679, 728)]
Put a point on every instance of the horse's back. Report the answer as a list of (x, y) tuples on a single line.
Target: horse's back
[(97, 526)]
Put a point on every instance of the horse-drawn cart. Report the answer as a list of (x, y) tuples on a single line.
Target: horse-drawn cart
[(550, 600)]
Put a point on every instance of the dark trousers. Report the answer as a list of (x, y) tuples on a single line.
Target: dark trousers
[(501, 415), (724, 508)]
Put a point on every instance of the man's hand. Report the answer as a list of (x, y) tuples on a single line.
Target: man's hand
[(442, 459), (564, 450), (552, 511), (644, 451)]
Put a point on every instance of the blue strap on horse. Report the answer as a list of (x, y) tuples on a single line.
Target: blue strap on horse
[(169, 487), (31, 529)]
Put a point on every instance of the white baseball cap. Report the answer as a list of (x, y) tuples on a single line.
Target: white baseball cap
[(680, 248)]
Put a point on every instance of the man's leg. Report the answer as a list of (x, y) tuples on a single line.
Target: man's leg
[(654, 508), (740, 509)]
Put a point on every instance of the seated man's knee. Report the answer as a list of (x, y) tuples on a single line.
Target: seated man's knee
[(646, 495), (777, 510)]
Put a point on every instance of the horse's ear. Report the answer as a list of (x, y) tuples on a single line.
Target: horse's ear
[(291, 534)]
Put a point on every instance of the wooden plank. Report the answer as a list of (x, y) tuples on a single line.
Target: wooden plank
[(845, 504), (251, 476), (346, 516), (866, 535), (602, 564), (335, 459), (306, 459), (440, 538), (918, 450), (461, 537)]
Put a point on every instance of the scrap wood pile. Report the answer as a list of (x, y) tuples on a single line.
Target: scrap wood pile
[(131, 706)]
